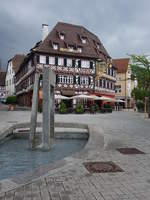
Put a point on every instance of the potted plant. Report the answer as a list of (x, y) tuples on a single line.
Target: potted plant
[(140, 106), (63, 108), (108, 108), (79, 109), (11, 101), (96, 107)]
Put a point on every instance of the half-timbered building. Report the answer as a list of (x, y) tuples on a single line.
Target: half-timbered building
[(73, 53)]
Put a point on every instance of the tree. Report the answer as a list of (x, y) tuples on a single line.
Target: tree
[(141, 71)]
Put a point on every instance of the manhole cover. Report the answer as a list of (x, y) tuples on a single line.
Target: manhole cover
[(102, 167), (130, 151)]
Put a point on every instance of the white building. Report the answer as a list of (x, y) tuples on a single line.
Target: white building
[(2, 86), (12, 67)]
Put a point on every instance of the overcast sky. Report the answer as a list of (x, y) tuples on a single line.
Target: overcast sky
[(122, 25)]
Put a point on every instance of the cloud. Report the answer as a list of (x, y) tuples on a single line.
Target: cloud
[(122, 26)]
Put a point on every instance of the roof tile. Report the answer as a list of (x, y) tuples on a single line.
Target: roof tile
[(121, 64)]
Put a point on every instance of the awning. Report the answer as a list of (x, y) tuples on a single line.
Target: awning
[(82, 96), (119, 100), (58, 96), (103, 98)]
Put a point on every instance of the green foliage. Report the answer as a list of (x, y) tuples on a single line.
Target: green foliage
[(63, 108), (141, 70), (106, 110), (140, 106), (79, 108), (11, 100), (140, 94), (107, 105), (96, 107)]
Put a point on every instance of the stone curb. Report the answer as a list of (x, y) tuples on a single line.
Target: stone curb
[(94, 145)]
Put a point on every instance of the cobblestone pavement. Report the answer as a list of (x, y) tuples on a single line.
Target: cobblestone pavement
[(74, 182)]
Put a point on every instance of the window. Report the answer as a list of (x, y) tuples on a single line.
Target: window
[(107, 84), (104, 83), (85, 64), (83, 40), (111, 85), (100, 83), (62, 36), (118, 89), (52, 60), (43, 59), (60, 61), (98, 46), (65, 79), (112, 72), (55, 46), (69, 62), (84, 80)]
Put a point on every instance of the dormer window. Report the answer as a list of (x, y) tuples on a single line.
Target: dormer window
[(84, 39), (79, 49), (55, 46), (62, 36), (98, 46)]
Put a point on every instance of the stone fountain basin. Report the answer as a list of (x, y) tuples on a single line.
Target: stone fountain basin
[(60, 133), (92, 148), (62, 130)]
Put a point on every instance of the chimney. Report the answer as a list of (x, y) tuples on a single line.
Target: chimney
[(44, 31)]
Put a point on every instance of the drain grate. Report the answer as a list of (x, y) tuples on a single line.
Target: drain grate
[(102, 167), (130, 151)]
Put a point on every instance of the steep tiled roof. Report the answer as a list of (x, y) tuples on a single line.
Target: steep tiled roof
[(2, 78), (16, 61), (121, 64), (73, 35)]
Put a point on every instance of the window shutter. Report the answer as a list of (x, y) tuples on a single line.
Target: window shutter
[(79, 63), (65, 62), (91, 65), (74, 79), (79, 80), (73, 63), (37, 58), (89, 80), (56, 61), (56, 78), (47, 60)]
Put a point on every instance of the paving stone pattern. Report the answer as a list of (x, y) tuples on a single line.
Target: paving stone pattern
[(74, 182)]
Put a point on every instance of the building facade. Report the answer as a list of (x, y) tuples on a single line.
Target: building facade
[(105, 79), (75, 54), (12, 68), (124, 81), (2, 86)]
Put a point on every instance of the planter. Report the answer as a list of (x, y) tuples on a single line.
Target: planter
[(106, 110)]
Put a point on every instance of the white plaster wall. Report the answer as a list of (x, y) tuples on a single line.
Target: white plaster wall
[(10, 87)]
